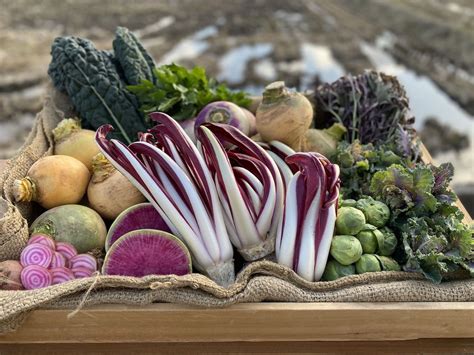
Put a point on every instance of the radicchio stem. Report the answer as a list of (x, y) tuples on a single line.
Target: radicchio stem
[(249, 185), (307, 225), (168, 169)]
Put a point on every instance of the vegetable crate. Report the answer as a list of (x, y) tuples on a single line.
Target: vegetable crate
[(288, 222)]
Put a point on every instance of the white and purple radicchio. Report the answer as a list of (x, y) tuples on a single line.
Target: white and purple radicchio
[(249, 185), (170, 172), (307, 225)]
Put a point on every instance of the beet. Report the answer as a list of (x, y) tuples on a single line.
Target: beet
[(147, 252), (141, 216)]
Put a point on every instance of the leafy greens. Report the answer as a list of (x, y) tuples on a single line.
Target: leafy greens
[(182, 93)]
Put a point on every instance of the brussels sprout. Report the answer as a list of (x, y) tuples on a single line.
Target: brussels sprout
[(349, 221), (367, 238), (346, 249), (387, 241), (388, 264), (335, 270), (368, 263), (348, 203), (375, 212)]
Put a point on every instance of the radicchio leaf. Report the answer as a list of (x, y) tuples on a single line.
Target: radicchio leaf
[(306, 228)]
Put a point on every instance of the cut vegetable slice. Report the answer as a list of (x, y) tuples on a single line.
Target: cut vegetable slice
[(141, 216), (147, 252), (36, 254), (34, 276), (60, 275)]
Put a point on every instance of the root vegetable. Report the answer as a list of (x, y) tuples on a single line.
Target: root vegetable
[(34, 276), (58, 260), (147, 252), (324, 141), (81, 272), (283, 115), (141, 216), (36, 254), (53, 181), (228, 113), (42, 239), (71, 140), (109, 192), (10, 279), (75, 224), (67, 250), (60, 275), (85, 261)]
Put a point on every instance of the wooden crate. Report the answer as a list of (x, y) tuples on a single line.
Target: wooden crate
[(251, 328)]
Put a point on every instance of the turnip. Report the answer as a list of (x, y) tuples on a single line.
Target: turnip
[(70, 139), (229, 113), (147, 252), (283, 115), (324, 141), (10, 271), (53, 181), (75, 224), (109, 191), (141, 216)]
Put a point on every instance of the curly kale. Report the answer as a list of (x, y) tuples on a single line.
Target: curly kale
[(136, 63), (372, 106), (435, 240), (90, 79)]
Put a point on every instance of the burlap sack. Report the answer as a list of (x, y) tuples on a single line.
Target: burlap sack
[(259, 281)]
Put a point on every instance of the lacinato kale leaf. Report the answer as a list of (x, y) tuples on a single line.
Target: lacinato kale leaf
[(91, 81), (136, 63), (182, 93)]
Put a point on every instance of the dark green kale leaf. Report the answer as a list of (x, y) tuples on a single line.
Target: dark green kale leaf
[(91, 81), (182, 93), (136, 63)]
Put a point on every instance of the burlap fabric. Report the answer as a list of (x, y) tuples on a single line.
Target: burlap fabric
[(259, 281)]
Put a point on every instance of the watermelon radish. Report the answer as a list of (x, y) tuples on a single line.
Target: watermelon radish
[(147, 252), (141, 216)]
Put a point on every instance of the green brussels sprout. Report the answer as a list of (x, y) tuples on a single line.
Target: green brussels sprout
[(335, 270), (346, 249), (349, 221), (387, 241), (367, 238), (375, 212), (348, 203), (368, 263), (388, 264)]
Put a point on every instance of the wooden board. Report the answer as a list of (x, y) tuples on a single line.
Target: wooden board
[(263, 322)]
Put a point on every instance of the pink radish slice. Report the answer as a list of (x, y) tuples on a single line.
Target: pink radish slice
[(66, 249), (58, 260), (34, 276), (85, 261), (36, 254), (81, 272), (60, 275), (147, 252), (141, 216), (42, 239)]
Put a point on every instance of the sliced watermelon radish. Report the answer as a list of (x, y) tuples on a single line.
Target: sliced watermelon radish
[(141, 216), (147, 252)]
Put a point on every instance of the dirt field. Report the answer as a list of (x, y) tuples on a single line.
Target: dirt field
[(249, 43)]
